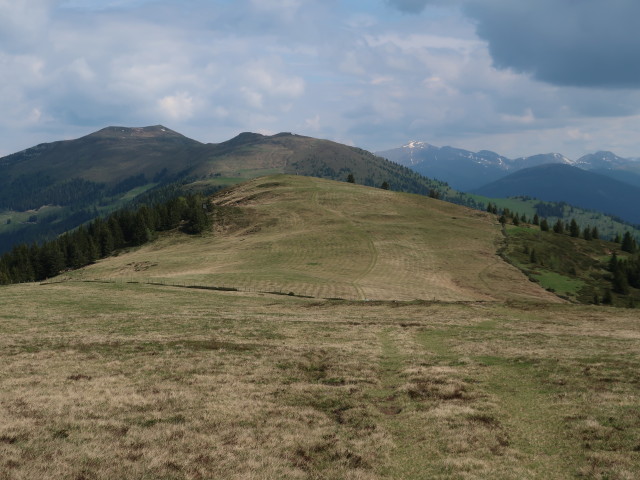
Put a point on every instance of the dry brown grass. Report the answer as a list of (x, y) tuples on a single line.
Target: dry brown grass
[(130, 381), (334, 240)]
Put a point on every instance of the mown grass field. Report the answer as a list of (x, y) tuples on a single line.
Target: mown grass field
[(329, 239), (443, 362), (114, 381)]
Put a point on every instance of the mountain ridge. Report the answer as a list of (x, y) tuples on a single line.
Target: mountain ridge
[(559, 182), (466, 170)]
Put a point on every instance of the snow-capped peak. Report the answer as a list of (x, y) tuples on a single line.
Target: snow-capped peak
[(415, 144)]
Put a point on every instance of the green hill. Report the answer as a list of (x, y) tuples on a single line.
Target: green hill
[(54, 187), (443, 361), (330, 239)]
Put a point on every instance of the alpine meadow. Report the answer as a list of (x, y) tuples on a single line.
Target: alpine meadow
[(322, 329)]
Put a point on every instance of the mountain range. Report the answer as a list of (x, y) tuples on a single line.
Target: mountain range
[(466, 170), (558, 182), (53, 187)]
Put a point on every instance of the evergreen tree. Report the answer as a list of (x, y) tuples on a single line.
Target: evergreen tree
[(574, 229), (628, 243), (536, 219), (586, 233), (544, 225), (385, 185), (558, 227), (351, 178), (595, 234), (620, 283), (516, 220), (489, 207), (533, 257)]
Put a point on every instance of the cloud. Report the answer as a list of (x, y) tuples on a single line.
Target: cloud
[(177, 107), (409, 6), (370, 73), (586, 43)]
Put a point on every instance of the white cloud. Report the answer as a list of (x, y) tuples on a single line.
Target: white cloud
[(358, 71), (177, 107)]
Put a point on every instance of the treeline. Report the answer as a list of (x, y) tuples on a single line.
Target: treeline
[(624, 273), (571, 228), (33, 191), (103, 236)]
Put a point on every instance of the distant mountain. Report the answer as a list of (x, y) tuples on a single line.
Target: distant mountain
[(560, 182), (53, 187), (466, 170), (602, 160), (462, 169)]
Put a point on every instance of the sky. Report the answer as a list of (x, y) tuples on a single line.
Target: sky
[(518, 77)]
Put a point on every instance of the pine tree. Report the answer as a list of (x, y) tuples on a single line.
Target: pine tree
[(574, 229), (536, 219), (595, 234), (351, 178), (628, 243), (586, 233), (544, 225), (385, 185), (558, 227)]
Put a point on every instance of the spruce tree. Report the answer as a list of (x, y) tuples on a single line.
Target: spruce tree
[(574, 229), (558, 227), (628, 243), (544, 225), (536, 219)]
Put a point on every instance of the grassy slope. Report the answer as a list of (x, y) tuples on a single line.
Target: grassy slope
[(331, 239), (111, 381), (572, 267), (123, 380)]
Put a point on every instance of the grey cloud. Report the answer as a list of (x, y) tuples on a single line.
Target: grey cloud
[(409, 6), (586, 43)]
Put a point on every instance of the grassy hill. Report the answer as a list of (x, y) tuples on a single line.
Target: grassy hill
[(105, 170), (113, 372), (329, 239), (574, 268)]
